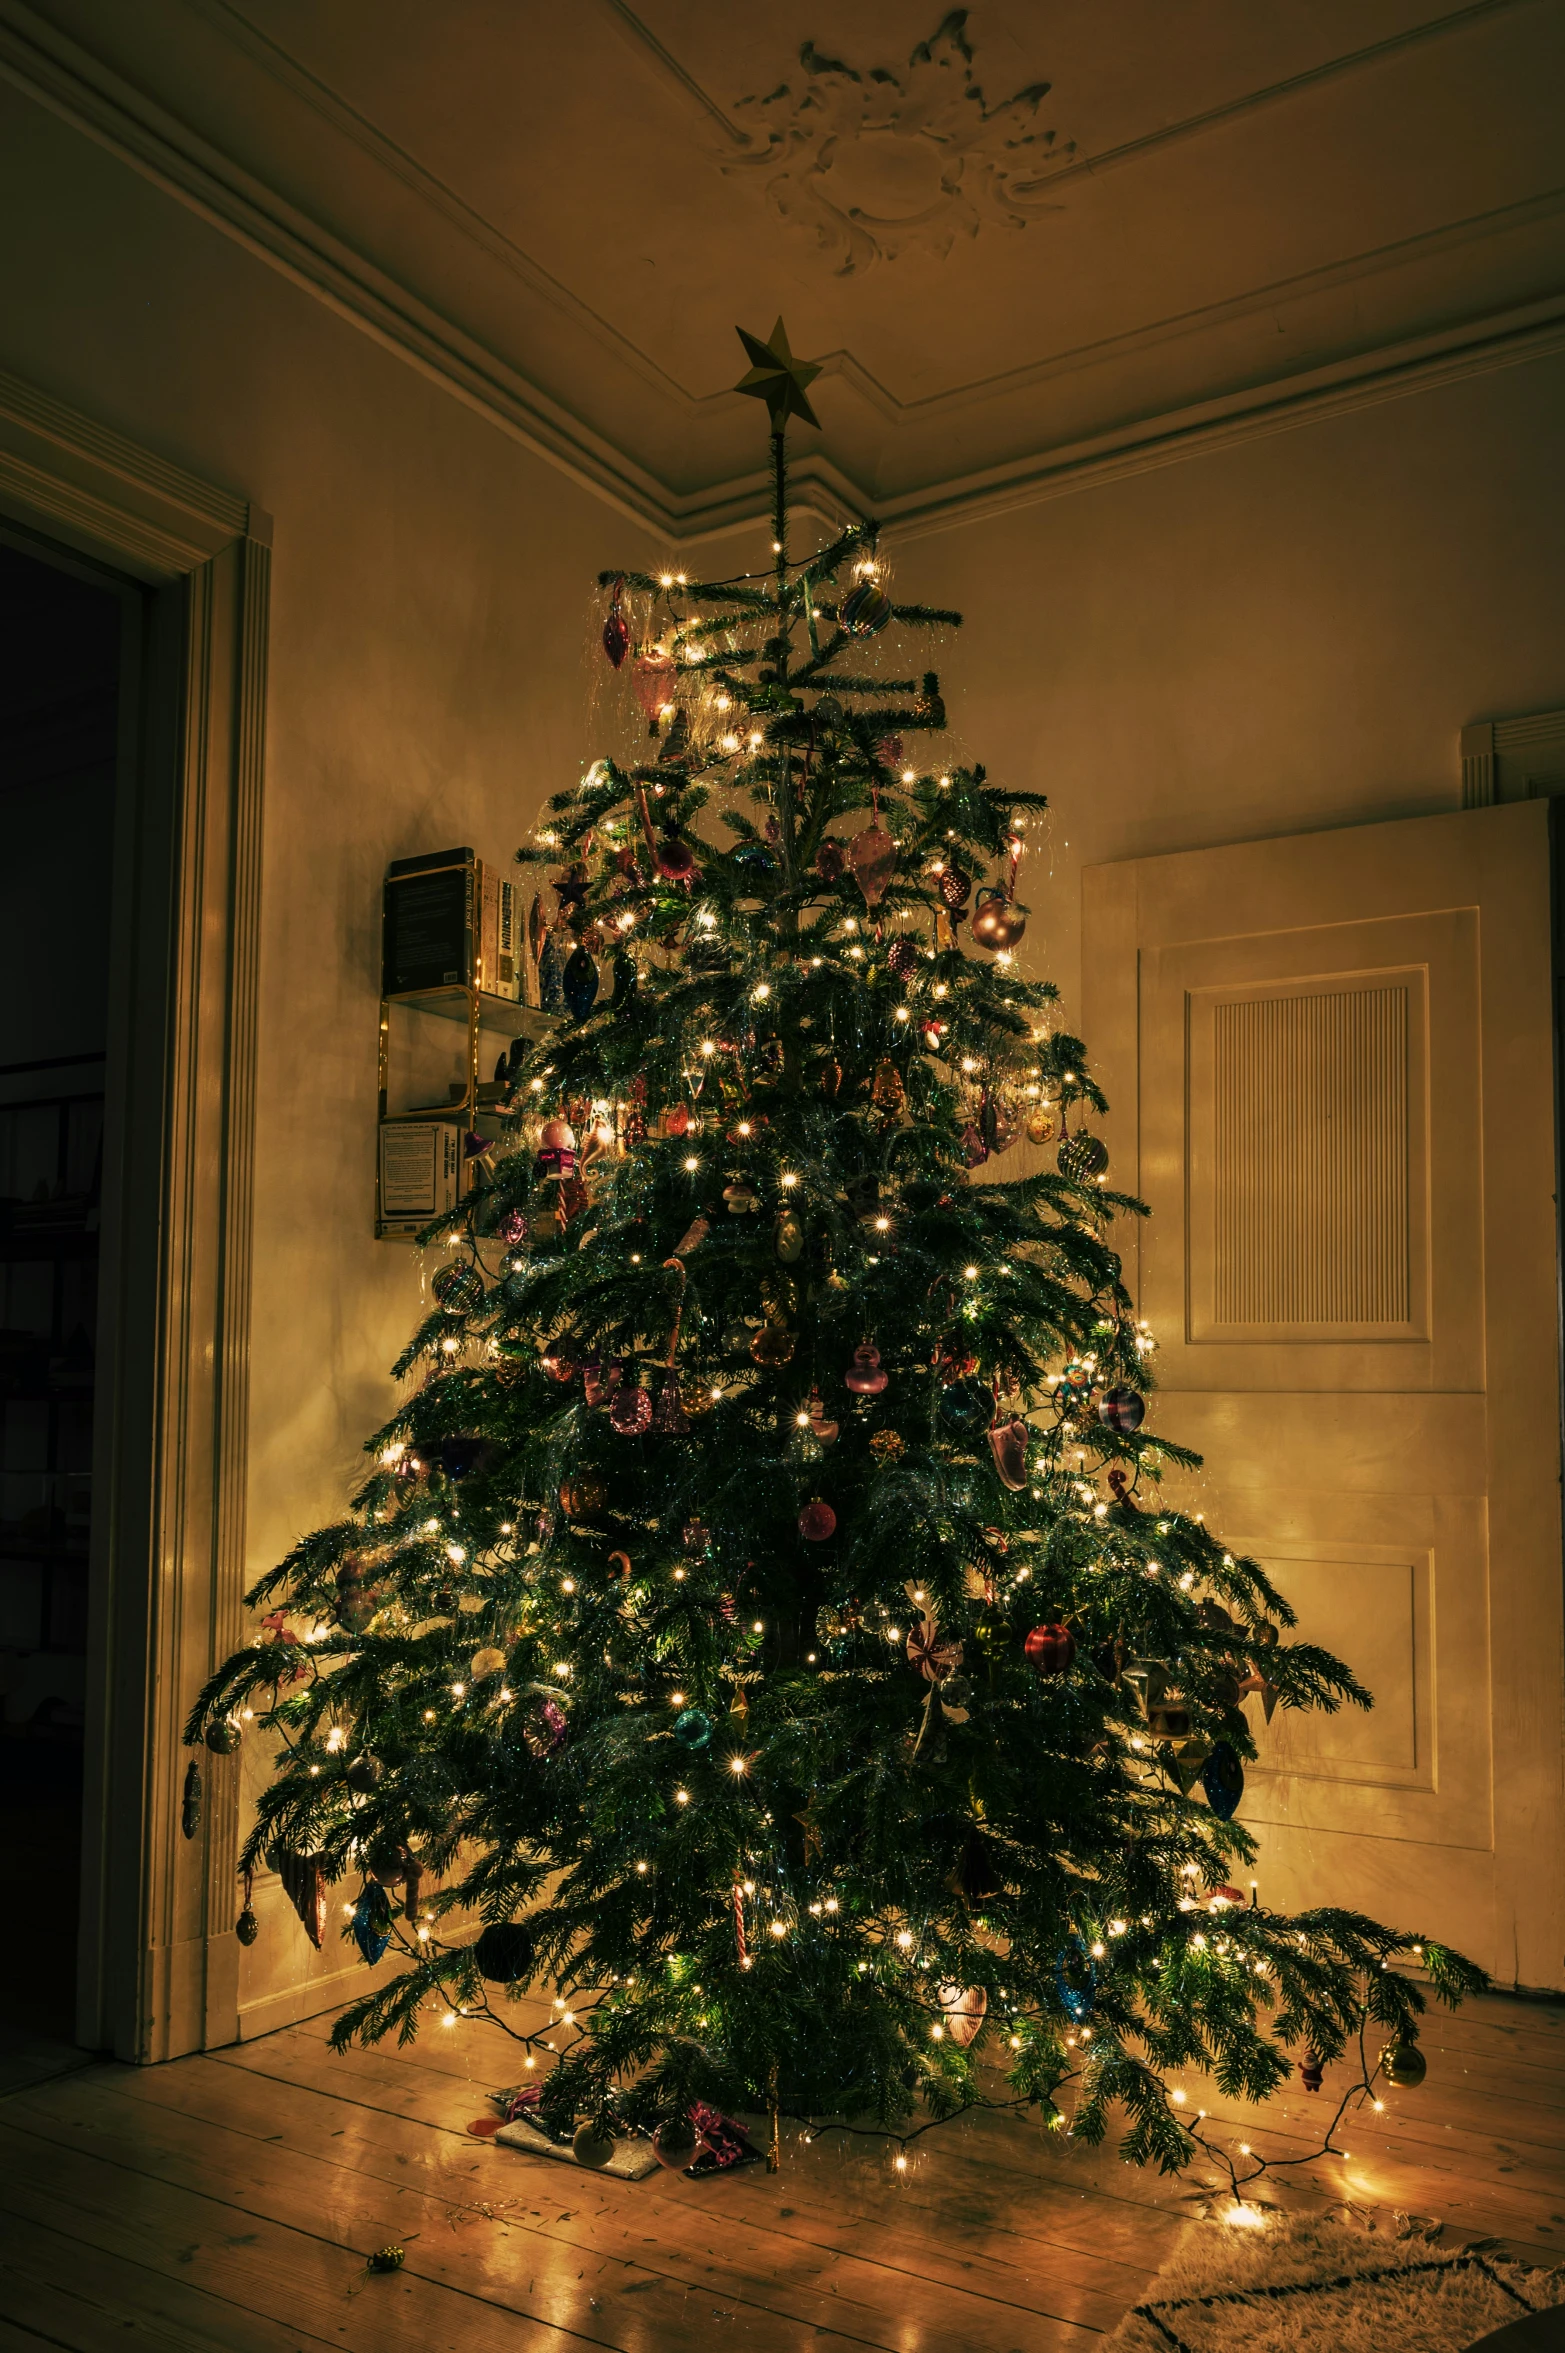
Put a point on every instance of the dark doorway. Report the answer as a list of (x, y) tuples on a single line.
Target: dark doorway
[(60, 661)]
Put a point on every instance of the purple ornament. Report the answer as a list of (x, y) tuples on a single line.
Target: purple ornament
[(669, 1418), (631, 1412)]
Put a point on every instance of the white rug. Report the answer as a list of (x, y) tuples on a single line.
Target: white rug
[(1299, 2286)]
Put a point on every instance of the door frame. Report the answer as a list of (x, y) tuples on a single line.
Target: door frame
[(158, 1963)]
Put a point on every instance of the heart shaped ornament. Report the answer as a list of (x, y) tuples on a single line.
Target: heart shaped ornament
[(874, 856)]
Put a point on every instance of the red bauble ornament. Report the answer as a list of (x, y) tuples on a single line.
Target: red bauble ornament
[(1050, 1649), (864, 1376), (996, 923), (874, 856), (817, 1521), (675, 859), (558, 1367)]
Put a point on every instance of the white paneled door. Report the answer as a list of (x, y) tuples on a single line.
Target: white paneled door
[(1331, 1065)]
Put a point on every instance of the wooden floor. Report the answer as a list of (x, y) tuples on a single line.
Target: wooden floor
[(229, 2203)]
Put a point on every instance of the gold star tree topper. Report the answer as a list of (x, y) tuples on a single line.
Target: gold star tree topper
[(776, 377)]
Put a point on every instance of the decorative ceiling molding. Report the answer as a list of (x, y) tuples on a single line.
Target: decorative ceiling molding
[(56, 72), (1477, 348), (921, 145)]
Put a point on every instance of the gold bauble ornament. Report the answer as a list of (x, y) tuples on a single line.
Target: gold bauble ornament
[(997, 922), (1404, 2065), (582, 1495)]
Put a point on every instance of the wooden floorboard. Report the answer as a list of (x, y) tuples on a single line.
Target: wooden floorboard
[(230, 2202)]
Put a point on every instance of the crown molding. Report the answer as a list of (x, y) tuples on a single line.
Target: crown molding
[(1479, 347), (58, 74)]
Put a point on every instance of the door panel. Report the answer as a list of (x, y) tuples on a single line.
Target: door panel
[(1331, 1060)]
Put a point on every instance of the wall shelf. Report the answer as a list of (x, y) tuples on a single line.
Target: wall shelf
[(492, 1025)]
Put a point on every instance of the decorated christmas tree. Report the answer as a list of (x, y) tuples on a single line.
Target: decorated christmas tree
[(763, 1632)]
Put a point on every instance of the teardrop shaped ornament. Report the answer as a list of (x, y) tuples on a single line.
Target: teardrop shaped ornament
[(874, 856)]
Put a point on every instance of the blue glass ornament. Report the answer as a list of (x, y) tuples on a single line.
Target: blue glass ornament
[(967, 1407), (579, 984), (550, 973), (693, 1730), (1222, 1778), (1075, 1979), (371, 1923)]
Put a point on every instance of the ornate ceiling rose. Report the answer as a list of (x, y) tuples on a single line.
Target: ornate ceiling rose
[(876, 163)]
